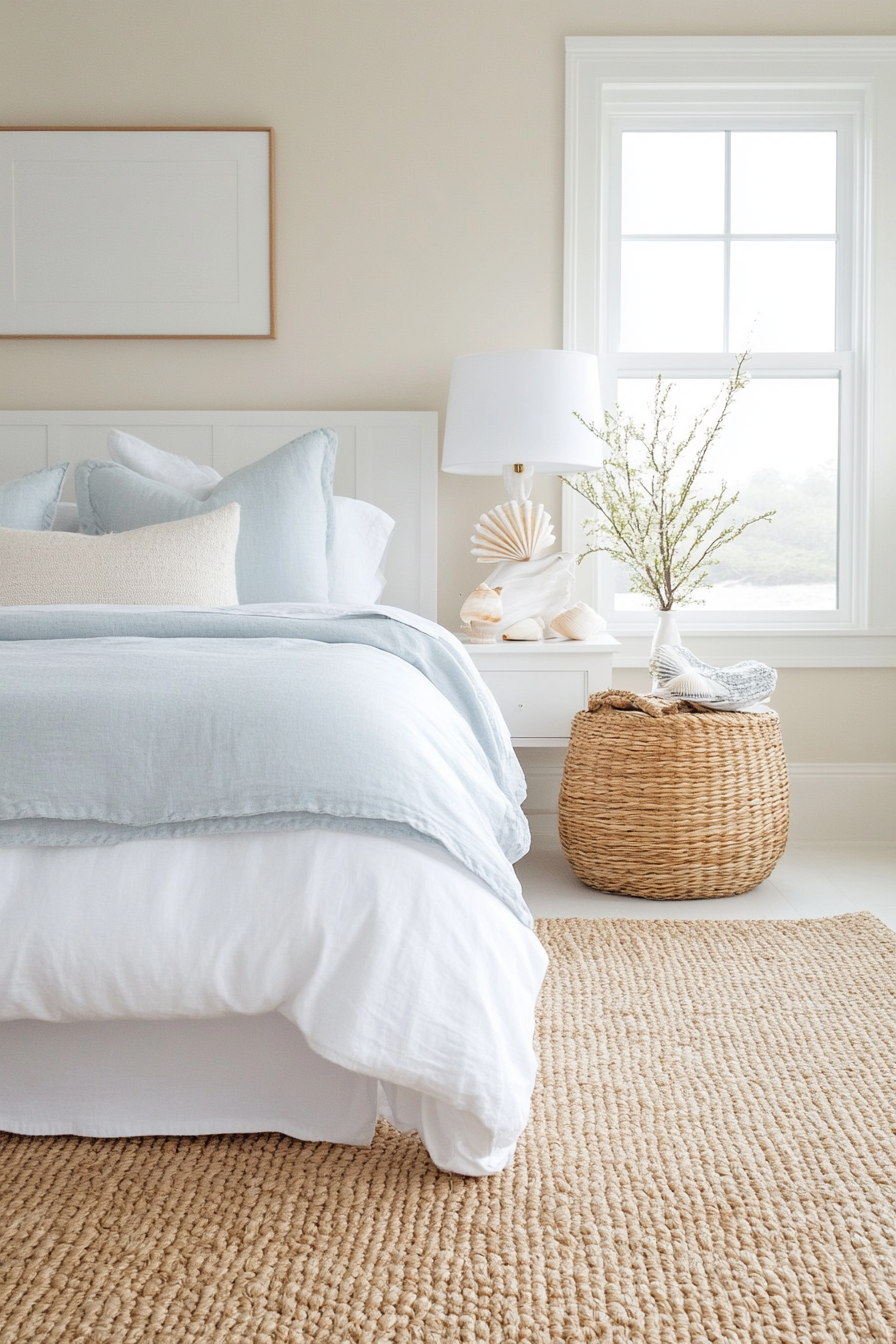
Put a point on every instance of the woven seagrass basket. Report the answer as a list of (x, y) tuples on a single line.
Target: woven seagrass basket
[(664, 800)]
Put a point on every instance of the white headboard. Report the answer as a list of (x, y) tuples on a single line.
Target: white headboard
[(387, 457)]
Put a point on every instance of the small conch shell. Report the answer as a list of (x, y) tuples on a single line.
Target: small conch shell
[(579, 622), (512, 531), (483, 632), (532, 627), (483, 604), (694, 686)]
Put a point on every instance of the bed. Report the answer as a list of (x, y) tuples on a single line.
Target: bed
[(329, 932)]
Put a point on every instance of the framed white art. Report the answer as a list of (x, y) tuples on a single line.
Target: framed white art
[(136, 232)]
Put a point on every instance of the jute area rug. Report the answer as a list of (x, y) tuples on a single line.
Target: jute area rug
[(712, 1157)]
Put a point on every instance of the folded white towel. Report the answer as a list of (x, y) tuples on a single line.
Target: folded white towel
[(679, 674)]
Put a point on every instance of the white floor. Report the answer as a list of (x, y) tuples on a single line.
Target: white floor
[(811, 881)]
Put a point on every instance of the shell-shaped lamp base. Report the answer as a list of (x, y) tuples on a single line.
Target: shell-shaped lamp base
[(512, 531)]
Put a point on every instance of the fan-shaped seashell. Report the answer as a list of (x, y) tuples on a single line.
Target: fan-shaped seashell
[(531, 628), (512, 531), (579, 622), (694, 686), (483, 604)]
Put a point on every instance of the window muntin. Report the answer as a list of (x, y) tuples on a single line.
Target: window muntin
[(728, 238)]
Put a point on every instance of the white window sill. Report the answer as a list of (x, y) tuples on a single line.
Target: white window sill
[(779, 648)]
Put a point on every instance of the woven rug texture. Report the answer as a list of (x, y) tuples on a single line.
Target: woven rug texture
[(712, 1157)]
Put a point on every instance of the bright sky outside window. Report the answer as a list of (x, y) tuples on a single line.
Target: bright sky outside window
[(728, 242)]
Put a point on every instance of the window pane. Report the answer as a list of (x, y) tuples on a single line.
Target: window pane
[(779, 449), (783, 181), (673, 182), (672, 296), (782, 296)]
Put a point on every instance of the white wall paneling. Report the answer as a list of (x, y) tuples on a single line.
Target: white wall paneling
[(389, 458)]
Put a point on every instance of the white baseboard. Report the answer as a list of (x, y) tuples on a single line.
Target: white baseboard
[(834, 803)]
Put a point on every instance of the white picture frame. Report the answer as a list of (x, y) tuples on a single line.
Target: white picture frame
[(136, 232)]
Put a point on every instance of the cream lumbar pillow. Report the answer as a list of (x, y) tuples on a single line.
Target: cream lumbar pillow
[(187, 563)]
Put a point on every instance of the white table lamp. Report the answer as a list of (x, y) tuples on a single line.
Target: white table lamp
[(514, 413)]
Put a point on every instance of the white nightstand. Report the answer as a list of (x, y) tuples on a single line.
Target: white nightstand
[(539, 686)]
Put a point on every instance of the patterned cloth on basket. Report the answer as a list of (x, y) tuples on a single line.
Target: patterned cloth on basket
[(679, 674)]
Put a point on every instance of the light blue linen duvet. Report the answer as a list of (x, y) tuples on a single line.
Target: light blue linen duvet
[(127, 723)]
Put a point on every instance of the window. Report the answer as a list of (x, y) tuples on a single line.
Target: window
[(728, 240), (718, 200)]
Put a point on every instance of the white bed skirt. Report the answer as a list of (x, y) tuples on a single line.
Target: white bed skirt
[(227, 1075), (301, 982)]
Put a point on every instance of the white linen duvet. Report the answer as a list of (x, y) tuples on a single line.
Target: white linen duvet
[(260, 817), (394, 962)]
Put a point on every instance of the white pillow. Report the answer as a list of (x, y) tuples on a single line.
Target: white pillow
[(361, 535), (156, 465), (360, 542), (191, 562)]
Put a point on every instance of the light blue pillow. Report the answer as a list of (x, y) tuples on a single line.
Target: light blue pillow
[(30, 502), (286, 514)]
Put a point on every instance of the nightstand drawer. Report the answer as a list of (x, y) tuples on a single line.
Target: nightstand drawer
[(539, 704), (540, 686)]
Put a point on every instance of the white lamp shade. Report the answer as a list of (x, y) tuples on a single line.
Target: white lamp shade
[(510, 406)]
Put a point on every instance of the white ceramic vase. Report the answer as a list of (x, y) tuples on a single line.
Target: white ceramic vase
[(666, 632)]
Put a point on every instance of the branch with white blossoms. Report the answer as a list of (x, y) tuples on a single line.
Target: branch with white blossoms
[(651, 514)]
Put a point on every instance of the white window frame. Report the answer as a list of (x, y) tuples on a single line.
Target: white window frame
[(842, 84)]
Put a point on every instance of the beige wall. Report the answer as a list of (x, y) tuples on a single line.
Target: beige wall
[(419, 210), (827, 714)]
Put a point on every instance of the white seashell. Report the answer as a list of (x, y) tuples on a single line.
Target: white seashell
[(483, 604), (512, 531), (532, 627), (483, 632), (694, 686), (579, 622)]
